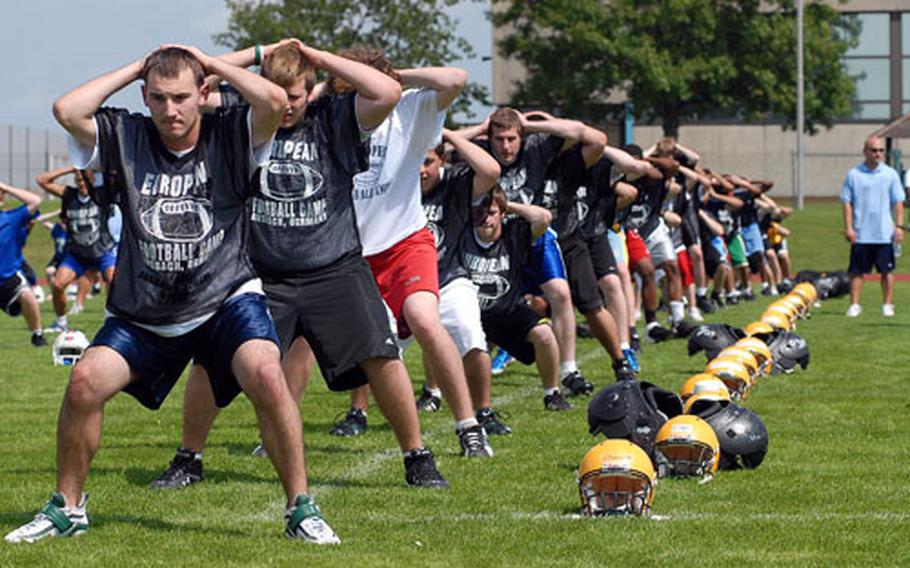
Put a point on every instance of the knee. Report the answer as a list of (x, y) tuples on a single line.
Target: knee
[(82, 391), (558, 294), (542, 337), (425, 326), (268, 382)]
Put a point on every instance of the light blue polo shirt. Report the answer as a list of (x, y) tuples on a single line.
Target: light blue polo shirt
[(873, 194)]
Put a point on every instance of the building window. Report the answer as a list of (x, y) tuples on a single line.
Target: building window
[(869, 65)]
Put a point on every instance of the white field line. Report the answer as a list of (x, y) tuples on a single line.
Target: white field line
[(369, 465)]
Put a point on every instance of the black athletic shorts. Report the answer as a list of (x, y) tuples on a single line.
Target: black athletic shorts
[(340, 313), (580, 271), (601, 256), (689, 231), (510, 329), (864, 256), (10, 290)]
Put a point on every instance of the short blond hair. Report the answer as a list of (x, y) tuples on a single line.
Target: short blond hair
[(286, 66)]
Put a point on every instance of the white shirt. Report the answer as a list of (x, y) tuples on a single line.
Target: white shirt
[(387, 195)]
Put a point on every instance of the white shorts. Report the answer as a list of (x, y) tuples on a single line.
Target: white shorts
[(459, 311), (660, 245)]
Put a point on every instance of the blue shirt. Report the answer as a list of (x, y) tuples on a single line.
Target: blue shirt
[(12, 226), (872, 193)]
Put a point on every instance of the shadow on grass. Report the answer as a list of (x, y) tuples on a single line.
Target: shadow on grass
[(99, 521), (142, 477)]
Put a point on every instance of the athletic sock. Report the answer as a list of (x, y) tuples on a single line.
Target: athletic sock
[(62, 321), (461, 425), (435, 392), (651, 325), (567, 367), (701, 292), (624, 345), (548, 392), (188, 452), (677, 311)]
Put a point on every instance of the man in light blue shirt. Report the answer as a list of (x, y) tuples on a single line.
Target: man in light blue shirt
[(873, 213)]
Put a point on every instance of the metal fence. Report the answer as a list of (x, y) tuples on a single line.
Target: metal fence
[(26, 152)]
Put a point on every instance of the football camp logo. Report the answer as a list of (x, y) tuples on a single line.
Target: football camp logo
[(289, 181), (490, 288), (85, 232), (181, 220)]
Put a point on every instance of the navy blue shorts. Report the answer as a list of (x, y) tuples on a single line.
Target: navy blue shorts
[(80, 265), (864, 256), (544, 263), (159, 361)]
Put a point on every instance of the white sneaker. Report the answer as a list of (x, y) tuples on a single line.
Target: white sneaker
[(695, 315), (259, 451), (854, 310), (888, 310), (54, 519), (76, 309)]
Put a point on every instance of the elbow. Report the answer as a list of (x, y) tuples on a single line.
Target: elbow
[(62, 114), (278, 100), (391, 94)]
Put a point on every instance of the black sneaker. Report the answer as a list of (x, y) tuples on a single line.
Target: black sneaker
[(582, 329), (474, 442), (427, 401), (634, 340), (766, 291), (556, 402), (354, 423), (38, 340), (185, 469), (491, 422), (683, 329), (623, 371), (747, 294), (576, 384), (706, 304), (420, 470), (718, 300), (733, 300), (656, 334)]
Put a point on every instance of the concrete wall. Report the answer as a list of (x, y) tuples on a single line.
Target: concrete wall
[(767, 152)]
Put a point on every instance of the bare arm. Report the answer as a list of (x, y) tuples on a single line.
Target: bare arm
[(572, 131), (898, 221), (475, 130), (538, 217), (593, 142), (711, 223), (267, 100), (689, 153), (76, 109), (626, 194), (45, 217), (625, 163), (694, 176), (377, 93), (48, 182), (241, 58), (486, 168), (448, 82), (742, 182), (849, 233), (31, 200)]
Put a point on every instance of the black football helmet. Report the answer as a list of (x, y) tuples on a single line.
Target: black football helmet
[(788, 350), (713, 337), (632, 410), (742, 433)]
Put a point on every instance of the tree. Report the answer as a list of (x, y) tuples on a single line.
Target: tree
[(679, 59), (412, 33)]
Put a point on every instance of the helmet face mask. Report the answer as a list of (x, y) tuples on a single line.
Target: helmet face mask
[(616, 478), (687, 447)]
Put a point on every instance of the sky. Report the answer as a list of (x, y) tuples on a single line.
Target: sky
[(51, 46)]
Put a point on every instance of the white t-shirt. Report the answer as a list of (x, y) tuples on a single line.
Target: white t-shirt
[(387, 195)]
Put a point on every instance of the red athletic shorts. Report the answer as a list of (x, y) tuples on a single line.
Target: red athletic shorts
[(408, 266), (685, 267), (636, 247)]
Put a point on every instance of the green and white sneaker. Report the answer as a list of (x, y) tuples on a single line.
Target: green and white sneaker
[(304, 521), (55, 519)]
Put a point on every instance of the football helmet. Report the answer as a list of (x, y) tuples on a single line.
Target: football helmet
[(686, 446), (699, 383), (759, 329), (796, 303), (776, 320), (69, 347), (633, 410), (808, 293), (789, 350), (759, 350), (742, 434), (784, 309), (616, 477), (744, 356), (712, 338), (734, 374), (707, 398)]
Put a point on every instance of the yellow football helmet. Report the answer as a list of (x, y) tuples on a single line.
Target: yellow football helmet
[(686, 446), (734, 374), (706, 397), (744, 356), (759, 350), (616, 477), (796, 302), (758, 328), (784, 310), (701, 382), (808, 293), (776, 320)]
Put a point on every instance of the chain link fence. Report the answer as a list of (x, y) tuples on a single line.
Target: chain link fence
[(27, 152)]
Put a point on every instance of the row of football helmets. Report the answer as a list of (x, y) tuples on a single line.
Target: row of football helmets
[(653, 433)]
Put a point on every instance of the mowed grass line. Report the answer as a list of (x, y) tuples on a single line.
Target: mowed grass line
[(834, 488)]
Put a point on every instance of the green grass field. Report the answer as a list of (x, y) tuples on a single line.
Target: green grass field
[(833, 490)]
